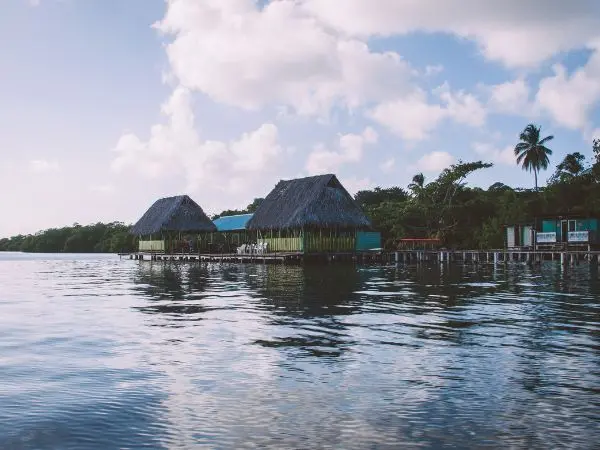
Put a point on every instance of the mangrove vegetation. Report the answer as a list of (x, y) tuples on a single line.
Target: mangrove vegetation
[(97, 238)]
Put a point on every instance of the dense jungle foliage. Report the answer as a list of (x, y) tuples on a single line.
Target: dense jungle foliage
[(98, 238), (445, 208), (470, 217)]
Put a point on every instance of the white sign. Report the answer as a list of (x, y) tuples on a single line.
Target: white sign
[(578, 236), (546, 238)]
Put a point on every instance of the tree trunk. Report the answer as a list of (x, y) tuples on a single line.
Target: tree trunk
[(535, 175)]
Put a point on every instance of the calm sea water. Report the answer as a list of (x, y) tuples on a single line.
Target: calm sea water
[(101, 353)]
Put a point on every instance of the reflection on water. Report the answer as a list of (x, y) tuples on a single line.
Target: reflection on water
[(102, 353)]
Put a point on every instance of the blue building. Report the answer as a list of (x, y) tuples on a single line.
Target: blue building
[(568, 231), (231, 233)]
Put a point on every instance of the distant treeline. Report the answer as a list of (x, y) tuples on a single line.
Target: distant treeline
[(444, 208), (98, 238), (250, 209)]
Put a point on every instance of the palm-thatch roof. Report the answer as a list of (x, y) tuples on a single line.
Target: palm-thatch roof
[(320, 202), (179, 213)]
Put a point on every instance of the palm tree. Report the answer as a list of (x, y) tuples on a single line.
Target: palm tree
[(531, 152), (417, 182)]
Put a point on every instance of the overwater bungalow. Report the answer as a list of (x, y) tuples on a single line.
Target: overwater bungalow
[(231, 233), (568, 231), (560, 232), (312, 215), (172, 225)]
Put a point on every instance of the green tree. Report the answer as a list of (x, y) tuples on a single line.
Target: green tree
[(99, 237), (531, 152), (569, 168), (366, 198), (417, 182), (498, 187), (252, 207), (596, 163)]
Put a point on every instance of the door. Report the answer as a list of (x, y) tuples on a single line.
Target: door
[(510, 237), (564, 230), (527, 236)]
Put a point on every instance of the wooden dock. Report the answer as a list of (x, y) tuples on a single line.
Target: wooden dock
[(394, 257), (266, 258), (496, 256)]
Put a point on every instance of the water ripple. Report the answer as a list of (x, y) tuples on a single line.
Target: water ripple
[(101, 353)]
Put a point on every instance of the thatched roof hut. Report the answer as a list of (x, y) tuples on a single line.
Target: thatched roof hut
[(178, 214), (312, 202)]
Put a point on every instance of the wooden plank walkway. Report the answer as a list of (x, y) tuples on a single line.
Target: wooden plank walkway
[(266, 258), (223, 257), (497, 256), (565, 257)]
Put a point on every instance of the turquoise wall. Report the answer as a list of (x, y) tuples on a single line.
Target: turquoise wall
[(549, 226), (587, 225), (367, 240), (553, 225)]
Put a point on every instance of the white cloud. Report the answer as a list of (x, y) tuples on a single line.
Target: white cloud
[(434, 162), (511, 97), (351, 146), (513, 32), (411, 118), (570, 98), (355, 184), (243, 55), (103, 188), (489, 152), (43, 166), (414, 117), (388, 165), (462, 107), (249, 165), (433, 70)]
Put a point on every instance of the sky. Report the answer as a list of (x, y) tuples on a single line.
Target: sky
[(109, 105)]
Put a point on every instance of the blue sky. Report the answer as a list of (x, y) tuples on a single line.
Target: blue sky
[(108, 105)]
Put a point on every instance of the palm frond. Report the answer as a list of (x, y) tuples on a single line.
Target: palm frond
[(521, 147), (531, 152)]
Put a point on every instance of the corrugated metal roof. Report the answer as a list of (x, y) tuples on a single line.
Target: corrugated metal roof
[(232, 223)]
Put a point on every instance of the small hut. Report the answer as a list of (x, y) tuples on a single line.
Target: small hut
[(231, 233), (172, 225), (569, 230), (519, 236), (312, 215)]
